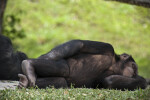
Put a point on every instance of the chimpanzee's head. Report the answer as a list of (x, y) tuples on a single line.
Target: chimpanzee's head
[(128, 66)]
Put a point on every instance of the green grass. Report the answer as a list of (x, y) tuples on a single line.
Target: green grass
[(74, 94), (47, 23)]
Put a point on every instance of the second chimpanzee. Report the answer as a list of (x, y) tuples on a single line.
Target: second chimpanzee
[(82, 63), (10, 61)]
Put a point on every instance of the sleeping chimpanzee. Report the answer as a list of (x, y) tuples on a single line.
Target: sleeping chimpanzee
[(82, 63), (10, 61)]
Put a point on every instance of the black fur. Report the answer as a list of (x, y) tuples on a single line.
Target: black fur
[(10, 61), (86, 63)]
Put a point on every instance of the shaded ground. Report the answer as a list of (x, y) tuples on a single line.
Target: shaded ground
[(8, 84)]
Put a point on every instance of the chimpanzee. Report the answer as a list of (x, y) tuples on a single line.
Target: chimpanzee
[(82, 63), (10, 61)]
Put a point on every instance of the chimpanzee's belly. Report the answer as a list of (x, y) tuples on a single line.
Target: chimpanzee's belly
[(85, 68)]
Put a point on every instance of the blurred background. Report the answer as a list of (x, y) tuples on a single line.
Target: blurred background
[(36, 26)]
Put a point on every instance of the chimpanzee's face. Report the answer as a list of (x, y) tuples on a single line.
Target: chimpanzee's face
[(129, 66)]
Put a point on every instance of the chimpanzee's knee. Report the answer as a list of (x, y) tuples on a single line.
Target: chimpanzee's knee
[(26, 62)]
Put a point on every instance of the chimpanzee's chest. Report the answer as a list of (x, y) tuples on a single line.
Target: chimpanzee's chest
[(84, 68)]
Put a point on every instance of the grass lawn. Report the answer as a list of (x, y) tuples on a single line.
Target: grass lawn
[(74, 94)]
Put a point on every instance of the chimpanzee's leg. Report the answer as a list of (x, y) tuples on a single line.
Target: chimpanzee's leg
[(123, 82), (44, 68), (57, 82)]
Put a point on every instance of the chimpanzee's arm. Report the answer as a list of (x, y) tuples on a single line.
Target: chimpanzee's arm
[(95, 47), (123, 82), (79, 46)]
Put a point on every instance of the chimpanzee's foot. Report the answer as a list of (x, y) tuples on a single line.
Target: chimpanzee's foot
[(28, 70), (23, 82)]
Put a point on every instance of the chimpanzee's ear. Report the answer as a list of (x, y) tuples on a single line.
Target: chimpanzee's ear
[(135, 68)]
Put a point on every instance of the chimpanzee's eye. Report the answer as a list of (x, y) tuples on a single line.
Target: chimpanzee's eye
[(133, 65), (124, 56)]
